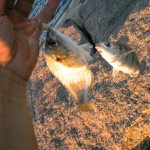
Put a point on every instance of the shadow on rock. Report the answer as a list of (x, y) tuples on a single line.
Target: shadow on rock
[(143, 145)]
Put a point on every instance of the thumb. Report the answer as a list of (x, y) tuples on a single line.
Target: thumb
[(2, 7)]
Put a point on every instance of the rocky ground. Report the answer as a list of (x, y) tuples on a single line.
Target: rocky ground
[(121, 118)]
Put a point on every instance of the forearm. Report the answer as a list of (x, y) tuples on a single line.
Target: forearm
[(16, 129)]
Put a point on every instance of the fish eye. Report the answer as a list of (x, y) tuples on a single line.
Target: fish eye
[(51, 42), (50, 39), (107, 44)]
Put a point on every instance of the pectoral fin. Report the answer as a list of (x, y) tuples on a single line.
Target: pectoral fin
[(85, 50), (86, 55)]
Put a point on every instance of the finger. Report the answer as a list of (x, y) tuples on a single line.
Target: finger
[(2, 7), (22, 25), (23, 7), (42, 26), (37, 23), (10, 4), (27, 31), (21, 10), (35, 37), (15, 17), (35, 34), (47, 12)]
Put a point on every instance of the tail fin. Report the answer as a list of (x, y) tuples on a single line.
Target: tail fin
[(136, 80), (85, 107)]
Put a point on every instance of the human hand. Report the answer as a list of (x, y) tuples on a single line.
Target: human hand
[(19, 44), (19, 39)]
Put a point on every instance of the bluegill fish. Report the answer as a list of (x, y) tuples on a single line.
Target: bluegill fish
[(121, 57), (69, 63)]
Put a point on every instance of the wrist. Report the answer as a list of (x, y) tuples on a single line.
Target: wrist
[(16, 129)]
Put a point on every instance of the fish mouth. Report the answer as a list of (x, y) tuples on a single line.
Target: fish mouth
[(99, 47)]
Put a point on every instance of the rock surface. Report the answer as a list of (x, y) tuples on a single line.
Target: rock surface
[(122, 118)]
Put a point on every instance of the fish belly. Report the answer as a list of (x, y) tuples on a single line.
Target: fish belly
[(76, 79), (124, 68)]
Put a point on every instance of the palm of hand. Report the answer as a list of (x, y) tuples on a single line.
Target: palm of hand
[(19, 44)]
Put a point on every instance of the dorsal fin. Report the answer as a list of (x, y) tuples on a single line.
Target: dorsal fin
[(87, 47), (85, 50)]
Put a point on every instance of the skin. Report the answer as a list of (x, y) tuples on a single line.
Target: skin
[(19, 48)]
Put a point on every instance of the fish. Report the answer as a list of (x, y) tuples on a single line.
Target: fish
[(68, 62), (121, 57)]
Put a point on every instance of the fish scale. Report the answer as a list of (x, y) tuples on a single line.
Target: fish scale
[(74, 78), (129, 60)]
